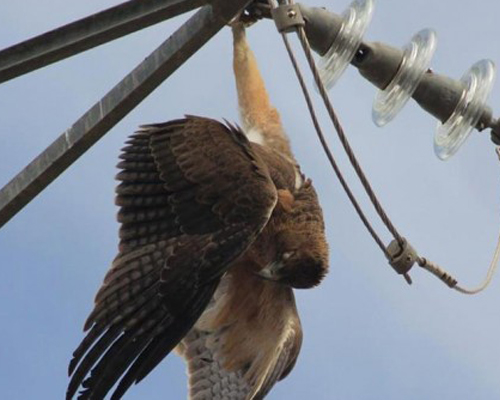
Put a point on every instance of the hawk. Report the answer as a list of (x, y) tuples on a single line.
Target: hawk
[(216, 231)]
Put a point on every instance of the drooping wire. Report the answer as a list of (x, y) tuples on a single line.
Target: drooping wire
[(441, 274), (489, 276)]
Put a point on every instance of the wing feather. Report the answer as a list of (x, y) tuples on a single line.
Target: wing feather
[(207, 377), (288, 353), (193, 197), (272, 356)]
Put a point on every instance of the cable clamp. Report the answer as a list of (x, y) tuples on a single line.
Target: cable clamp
[(287, 17), (402, 257)]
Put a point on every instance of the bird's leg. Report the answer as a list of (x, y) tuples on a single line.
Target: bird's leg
[(260, 119)]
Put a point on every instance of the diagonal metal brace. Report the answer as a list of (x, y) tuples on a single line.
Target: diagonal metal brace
[(117, 103), (87, 33)]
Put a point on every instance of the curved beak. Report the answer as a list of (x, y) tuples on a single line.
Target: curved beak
[(271, 271)]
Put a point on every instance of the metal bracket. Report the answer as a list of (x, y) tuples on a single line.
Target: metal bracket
[(88, 32), (287, 17), (116, 104)]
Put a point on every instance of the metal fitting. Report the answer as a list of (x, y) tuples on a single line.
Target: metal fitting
[(287, 17), (437, 271), (495, 132), (322, 27), (401, 257), (378, 62)]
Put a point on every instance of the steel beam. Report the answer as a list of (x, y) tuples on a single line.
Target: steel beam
[(117, 103), (87, 33)]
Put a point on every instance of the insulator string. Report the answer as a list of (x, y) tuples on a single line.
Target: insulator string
[(421, 261)]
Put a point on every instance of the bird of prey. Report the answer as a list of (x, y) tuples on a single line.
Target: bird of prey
[(216, 231)]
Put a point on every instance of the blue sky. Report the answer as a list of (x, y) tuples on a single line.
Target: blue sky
[(367, 334)]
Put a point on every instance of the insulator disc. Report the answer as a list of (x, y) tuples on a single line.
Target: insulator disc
[(355, 22), (477, 82), (416, 60)]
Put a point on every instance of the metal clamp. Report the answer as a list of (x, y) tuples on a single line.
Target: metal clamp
[(402, 257), (287, 17)]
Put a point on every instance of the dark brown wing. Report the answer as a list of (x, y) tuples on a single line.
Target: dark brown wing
[(193, 197)]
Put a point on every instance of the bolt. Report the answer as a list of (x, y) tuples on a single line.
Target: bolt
[(291, 14)]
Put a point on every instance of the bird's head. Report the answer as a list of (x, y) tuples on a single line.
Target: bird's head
[(300, 250), (302, 265)]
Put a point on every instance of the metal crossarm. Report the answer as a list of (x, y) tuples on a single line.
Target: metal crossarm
[(87, 33), (117, 103)]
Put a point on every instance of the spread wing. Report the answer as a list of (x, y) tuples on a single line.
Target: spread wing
[(193, 197)]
